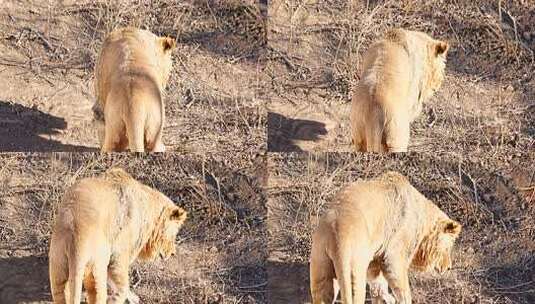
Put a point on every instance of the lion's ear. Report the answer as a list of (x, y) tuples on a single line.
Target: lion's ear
[(452, 227), (168, 44), (178, 215), (441, 48)]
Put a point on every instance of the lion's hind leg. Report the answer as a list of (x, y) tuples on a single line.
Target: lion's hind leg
[(375, 130), (95, 283), (358, 279), (135, 133), (358, 135), (156, 145), (90, 288), (397, 132), (95, 277), (59, 274), (359, 141), (154, 130), (114, 136), (322, 276)]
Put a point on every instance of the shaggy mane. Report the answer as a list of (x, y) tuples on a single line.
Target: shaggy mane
[(117, 175), (156, 241), (428, 252), (397, 36)]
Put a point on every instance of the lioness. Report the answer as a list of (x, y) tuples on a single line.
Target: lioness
[(130, 77), (103, 225), (374, 231), (400, 72)]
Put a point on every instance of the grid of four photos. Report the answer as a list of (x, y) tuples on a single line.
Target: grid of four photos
[(285, 151)]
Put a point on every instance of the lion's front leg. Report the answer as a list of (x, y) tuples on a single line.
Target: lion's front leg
[(158, 146), (397, 275), (132, 297), (397, 133), (119, 279), (402, 291), (379, 290)]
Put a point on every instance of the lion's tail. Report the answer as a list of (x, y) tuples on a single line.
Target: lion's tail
[(352, 261), (135, 128), (375, 130), (143, 126), (75, 284), (77, 265), (342, 268), (58, 269)]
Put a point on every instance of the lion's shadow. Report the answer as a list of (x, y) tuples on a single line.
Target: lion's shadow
[(282, 131), (23, 128), (24, 279), (288, 282)]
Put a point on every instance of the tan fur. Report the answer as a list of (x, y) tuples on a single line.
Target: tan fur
[(103, 225), (375, 231), (130, 78), (400, 73)]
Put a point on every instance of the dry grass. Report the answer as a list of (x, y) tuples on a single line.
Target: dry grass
[(53, 46), (220, 249), (495, 255), (486, 102)]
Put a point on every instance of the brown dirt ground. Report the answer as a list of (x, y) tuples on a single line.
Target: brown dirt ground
[(493, 198), (48, 51), (486, 102), (221, 249)]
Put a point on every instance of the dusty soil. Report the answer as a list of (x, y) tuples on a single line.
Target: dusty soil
[(221, 249), (486, 102), (48, 51), (493, 198)]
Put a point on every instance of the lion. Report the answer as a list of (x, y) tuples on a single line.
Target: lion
[(103, 225), (130, 78), (374, 232), (400, 73)]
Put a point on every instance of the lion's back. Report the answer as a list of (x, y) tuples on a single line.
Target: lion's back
[(87, 203), (393, 68), (125, 53), (388, 196), (387, 72), (97, 210)]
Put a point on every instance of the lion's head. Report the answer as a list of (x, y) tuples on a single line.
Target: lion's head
[(436, 64), (164, 48), (161, 242), (434, 251)]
